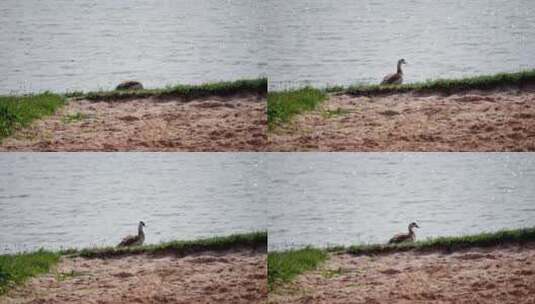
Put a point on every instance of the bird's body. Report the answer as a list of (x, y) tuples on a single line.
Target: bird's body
[(130, 85), (395, 78), (405, 237), (134, 240)]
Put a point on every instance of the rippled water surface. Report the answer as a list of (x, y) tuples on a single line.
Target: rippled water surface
[(326, 199), (324, 42), (71, 45), (85, 199)]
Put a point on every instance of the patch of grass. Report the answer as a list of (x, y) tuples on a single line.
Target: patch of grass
[(74, 94), (16, 268), (282, 106), (284, 266), (450, 244), (73, 117), (185, 92), (449, 86), (334, 89), (20, 111), (254, 240)]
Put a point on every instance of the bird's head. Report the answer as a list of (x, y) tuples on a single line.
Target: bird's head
[(141, 224), (402, 61), (413, 225)]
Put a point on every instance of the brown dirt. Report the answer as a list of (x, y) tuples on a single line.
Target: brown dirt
[(214, 124), (497, 275), (230, 277), (472, 121)]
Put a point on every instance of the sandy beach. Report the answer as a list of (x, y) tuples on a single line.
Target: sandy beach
[(236, 123), (470, 121), (208, 277), (492, 275)]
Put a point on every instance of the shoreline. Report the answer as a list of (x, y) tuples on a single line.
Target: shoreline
[(227, 116), (242, 87), (485, 115), (521, 80), (17, 269), (282, 264), (492, 83)]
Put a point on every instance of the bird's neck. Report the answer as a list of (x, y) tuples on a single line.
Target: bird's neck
[(399, 68), (140, 230), (411, 232)]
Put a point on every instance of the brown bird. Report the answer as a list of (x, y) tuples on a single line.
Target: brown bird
[(405, 237), (130, 85), (395, 78), (134, 240)]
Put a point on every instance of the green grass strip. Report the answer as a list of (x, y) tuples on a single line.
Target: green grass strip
[(284, 266), (449, 244), (253, 240), (186, 92), (446, 86), (20, 111), (16, 268), (282, 106)]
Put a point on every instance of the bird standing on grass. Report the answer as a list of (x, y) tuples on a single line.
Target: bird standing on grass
[(395, 78), (134, 240), (405, 237)]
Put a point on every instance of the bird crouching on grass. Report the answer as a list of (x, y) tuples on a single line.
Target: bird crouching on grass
[(129, 85)]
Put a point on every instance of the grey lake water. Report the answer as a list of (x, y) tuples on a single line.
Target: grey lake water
[(64, 200), (324, 199), (324, 42), (67, 45)]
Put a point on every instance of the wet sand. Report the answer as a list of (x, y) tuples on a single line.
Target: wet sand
[(222, 277), (494, 275), (235, 123), (472, 121)]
